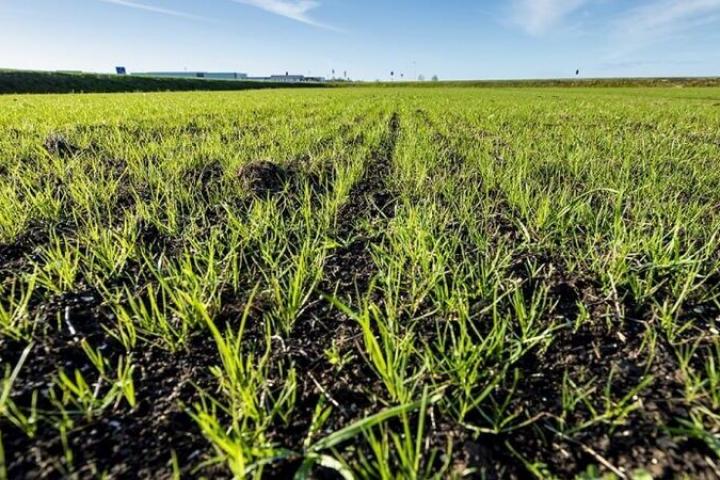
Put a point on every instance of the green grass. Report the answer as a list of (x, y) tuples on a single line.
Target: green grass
[(527, 271)]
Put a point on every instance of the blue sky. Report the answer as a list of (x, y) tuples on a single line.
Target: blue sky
[(454, 39)]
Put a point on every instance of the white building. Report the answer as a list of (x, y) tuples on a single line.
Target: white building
[(206, 75), (287, 78)]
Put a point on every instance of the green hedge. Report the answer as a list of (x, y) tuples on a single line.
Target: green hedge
[(12, 81)]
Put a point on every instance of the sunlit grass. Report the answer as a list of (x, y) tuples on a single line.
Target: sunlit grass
[(517, 219)]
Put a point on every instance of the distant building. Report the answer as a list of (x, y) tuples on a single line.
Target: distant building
[(287, 78), (206, 75)]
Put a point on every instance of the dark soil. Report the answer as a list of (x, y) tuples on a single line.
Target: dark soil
[(139, 442), (347, 274), (263, 178), (122, 442), (135, 443), (16, 257), (608, 346), (57, 144)]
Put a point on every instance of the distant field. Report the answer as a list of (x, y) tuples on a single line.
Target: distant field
[(361, 283), (16, 81), (564, 83), (19, 82)]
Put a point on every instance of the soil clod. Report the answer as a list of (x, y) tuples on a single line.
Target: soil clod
[(57, 144), (263, 177)]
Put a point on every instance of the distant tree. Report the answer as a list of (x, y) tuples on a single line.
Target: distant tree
[(435, 78), (421, 78)]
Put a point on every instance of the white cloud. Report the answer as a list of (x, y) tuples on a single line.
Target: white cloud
[(634, 25), (665, 17), (538, 16), (153, 9), (298, 10)]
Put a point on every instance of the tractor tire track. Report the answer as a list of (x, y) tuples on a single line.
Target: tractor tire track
[(347, 275)]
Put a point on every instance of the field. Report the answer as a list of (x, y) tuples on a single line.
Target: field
[(361, 283)]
